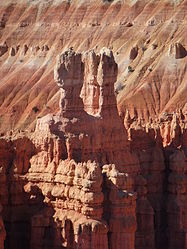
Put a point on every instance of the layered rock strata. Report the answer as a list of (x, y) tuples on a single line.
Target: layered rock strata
[(176, 204), (161, 148), (92, 130), (78, 166), (148, 39), (83, 180)]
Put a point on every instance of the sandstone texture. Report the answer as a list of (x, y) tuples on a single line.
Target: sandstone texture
[(93, 141), (64, 185), (148, 39), (89, 178), (2, 230)]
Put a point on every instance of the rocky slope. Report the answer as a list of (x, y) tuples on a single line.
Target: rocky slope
[(89, 171), (148, 39), (65, 186), (83, 180)]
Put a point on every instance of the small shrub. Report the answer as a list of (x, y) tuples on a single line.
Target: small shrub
[(130, 70), (35, 109)]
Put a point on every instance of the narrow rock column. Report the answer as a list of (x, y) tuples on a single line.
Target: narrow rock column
[(69, 75), (177, 201), (106, 77), (91, 89), (120, 206)]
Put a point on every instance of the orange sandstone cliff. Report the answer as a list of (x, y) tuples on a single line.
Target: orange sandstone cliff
[(67, 185), (82, 180), (148, 39), (93, 140)]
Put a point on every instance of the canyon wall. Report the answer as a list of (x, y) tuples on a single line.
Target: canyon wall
[(2, 230), (68, 185), (87, 177), (148, 39), (93, 144)]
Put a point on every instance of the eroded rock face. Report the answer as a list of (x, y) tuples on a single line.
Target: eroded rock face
[(3, 49), (177, 50), (69, 75), (87, 136), (161, 148), (155, 82), (2, 230), (133, 53), (120, 208), (91, 129), (79, 188), (83, 180), (176, 206), (40, 211)]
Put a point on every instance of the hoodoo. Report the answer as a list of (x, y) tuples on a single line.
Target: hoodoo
[(84, 180), (93, 120), (97, 138)]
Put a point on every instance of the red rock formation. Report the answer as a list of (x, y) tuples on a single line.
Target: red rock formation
[(57, 172), (120, 205), (178, 51), (87, 137), (78, 173), (133, 53), (153, 27), (2, 230), (71, 183), (3, 49), (150, 205), (149, 141), (176, 204)]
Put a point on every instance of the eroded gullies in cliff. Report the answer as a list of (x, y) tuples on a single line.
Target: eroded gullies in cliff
[(78, 182), (148, 39), (53, 195)]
